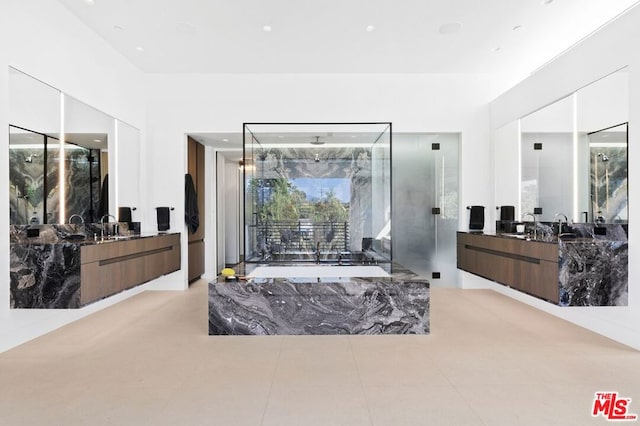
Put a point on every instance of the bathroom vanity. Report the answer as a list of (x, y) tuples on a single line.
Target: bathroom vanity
[(69, 266), (585, 268), (320, 299)]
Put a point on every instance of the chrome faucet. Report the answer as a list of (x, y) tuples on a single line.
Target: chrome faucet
[(535, 224), (102, 224), (74, 216), (559, 216)]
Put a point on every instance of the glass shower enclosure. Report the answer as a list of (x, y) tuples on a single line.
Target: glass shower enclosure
[(317, 192)]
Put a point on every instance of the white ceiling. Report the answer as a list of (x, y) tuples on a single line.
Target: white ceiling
[(330, 36), (508, 37)]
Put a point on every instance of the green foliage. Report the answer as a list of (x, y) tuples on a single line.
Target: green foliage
[(329, 209), (280, 200)]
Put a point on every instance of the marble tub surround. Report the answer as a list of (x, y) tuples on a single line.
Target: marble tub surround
[(593, 272), (397, 304)]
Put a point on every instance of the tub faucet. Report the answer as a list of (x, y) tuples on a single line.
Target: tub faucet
[(102, 224), (560, 216), (535, 224)]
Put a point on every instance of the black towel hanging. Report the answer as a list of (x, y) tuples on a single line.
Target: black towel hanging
[(476, 218), (162, 214), (507, 213), (191, 213), (124, 214)]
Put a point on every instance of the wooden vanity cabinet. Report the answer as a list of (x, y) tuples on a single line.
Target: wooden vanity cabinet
[(528, 266), (112, 267)]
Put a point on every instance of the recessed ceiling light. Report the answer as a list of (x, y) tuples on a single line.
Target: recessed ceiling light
[(118, 27), (225, 140), (370, 28), (450, 28), (267, 28), (140, 49), (517, 27), (97, 140), (546, 2), (496, 49)]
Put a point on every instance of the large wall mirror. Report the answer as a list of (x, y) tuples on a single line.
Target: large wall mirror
[(574, 155), (34, 131), (547, 161), (61, 156), (88, 134), (129, 163), (602, 124)]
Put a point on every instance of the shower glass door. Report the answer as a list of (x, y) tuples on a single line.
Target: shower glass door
[(425, 204)]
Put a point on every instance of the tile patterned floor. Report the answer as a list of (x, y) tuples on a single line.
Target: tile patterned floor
[(489, 360)]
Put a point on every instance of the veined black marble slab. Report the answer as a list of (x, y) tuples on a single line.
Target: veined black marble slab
[(593, 273), (45, 275), (398, 304)]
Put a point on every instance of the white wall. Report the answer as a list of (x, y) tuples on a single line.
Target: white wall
[(43, 39), (612, 91), (597, 56)]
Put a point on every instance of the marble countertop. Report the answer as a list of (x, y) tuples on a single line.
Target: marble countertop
[(74, 234), (577, 233)]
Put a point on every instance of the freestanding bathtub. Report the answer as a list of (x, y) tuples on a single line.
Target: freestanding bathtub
[(319, 299)]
